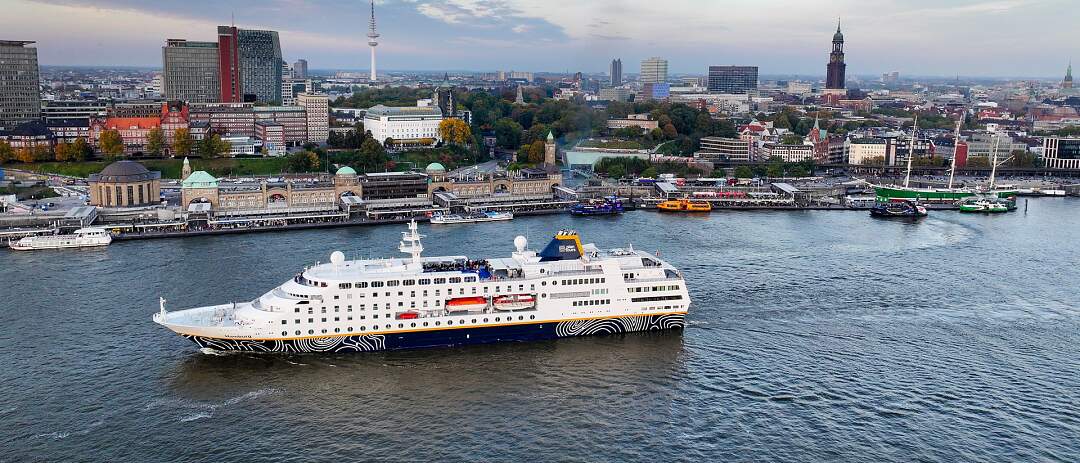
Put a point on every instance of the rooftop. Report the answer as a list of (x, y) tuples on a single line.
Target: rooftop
[(380, 110)]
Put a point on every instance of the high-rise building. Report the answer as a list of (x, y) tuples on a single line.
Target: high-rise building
[(190, 71), (372, 39), (229, 65), (317, 107), (733, 79), (653, 70), (834, 79), (616, 72), (260, 65), (1068, 82), (20, 90), (299, 69)]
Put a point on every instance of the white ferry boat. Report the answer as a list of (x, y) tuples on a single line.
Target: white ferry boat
[(478, 217), (82, 238), (567, 289)]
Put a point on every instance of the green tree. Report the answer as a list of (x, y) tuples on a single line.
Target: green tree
[(155, 142), (616, 172), (303, 161), (670, 132), (111, 144), (213, 147), (64, 152), (649, 172), (744, 172), (182, 142), (507, 133)]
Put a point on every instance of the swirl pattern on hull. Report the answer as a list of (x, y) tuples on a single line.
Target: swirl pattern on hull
[(364, 343), (619, 325)]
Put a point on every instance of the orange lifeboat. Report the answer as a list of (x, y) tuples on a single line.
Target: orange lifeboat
[(467, 303)]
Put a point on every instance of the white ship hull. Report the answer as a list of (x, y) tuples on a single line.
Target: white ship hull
[(488, 217), (402, 303), (83, 238)]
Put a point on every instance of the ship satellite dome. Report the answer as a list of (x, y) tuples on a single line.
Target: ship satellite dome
[(520, 242), (337, 257)]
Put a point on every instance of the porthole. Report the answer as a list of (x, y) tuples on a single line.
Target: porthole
[(449, 322), (496, 318), (350, 329), (400, 325), (310, 331), (412, 325), (337, 330), (485, 320), (298, 332), (284, 333), (532, 317)]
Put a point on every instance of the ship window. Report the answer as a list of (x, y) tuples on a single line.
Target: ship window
[(486, 290), (392, 283), (337, 296), (543, 283), (408, 282), (311, 320), (473, 320), (521, 317), (376, 284), (337, 319), (310, 331), (400, 325), (349, 329), (324, 330), (375, 327), (296, 322), (337, 330), (337, 308), (363, 328), (284, 333), (399, 293), (324, 319), (344, 286), (449, 322), (387, 326), (349, 308), (424, 281), (362, 284), (455, 279), (532, 317), (297, 310), (485, 320), (323, 310), (413, 325), (470, 279), (440, 281), (425, 323), (474, 290), (283, 322), (350, 318), (437, 323), (400, 304), (298, 332), (425, 293)]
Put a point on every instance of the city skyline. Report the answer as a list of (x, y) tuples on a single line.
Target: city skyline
[(482, 35)]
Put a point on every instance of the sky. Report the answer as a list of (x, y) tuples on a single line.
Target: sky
[(984, 38)]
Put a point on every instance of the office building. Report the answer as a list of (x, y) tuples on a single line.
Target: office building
[(293, 119), (403, 124), (272, 135), (657, 91), (229, 65), (190, 71), (614, 94), (641, 121), (20, 89), (616, 72), (72, 109), (299, 69), (733, 79), (725, 149), (317, 109), (1061, 153), (260, 65), (223, 118), (653, 70)]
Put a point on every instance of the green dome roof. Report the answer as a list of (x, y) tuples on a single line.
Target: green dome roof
[(199, 179), (345, 170), (435, 167)]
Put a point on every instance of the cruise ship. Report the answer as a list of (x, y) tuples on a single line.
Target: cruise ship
[(567, 289)]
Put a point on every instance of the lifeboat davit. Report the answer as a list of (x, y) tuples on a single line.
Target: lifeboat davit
[(467, 303), (514, 302)]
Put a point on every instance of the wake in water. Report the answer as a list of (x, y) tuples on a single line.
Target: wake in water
[(206, 410)]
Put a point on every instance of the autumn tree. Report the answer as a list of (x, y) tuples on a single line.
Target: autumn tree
[(213, 147), (155, 142), (455, 131), (111, 144), (536, 152), (182, 142), (80, 149), (65, 152), (24, 154), (7, 154)]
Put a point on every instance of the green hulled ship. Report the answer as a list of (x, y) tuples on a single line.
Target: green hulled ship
[(937, 195)]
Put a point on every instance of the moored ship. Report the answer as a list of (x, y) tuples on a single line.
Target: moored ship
[(82, 238), (490, 216), (609, 205), (566, 289), (684, 205)]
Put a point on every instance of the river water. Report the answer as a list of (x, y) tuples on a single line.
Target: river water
[(813, 336)]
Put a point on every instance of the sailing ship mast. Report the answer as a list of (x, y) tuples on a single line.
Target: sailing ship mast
[(994, 163), (956, 148), (911, 151)]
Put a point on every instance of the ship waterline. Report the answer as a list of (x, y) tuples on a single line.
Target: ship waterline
[(567, 289)]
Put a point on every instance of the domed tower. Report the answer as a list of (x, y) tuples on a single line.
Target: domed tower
[(834, 79), (549, 149), (185, 171)]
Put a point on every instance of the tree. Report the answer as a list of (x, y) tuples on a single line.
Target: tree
[(650, 172), (155, 142), (389, 143), (536, 152), (744, 172), (304, 161), (455, 131), (80, 150), (669, 131), (616, 172), (791, 139), (65, 152), (507, 133), (24, 154), (182, 142), (213, 146), (7, 154), (111, 144)]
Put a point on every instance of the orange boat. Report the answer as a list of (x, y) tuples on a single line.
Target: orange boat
[(514, 302), (467, 303), (684, 205)]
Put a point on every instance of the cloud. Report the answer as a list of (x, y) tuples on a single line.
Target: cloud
[(521, 28)]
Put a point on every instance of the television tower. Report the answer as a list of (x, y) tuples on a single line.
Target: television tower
[(372, 35)]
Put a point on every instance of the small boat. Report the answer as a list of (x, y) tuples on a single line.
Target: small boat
[(467, 303), (610, 205), (983, 205), (470, 218), (684, 205), (408, 315), (82, 238), (514, 302), (898, 209)]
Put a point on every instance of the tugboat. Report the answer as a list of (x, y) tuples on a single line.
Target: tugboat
[(684, 205), (610, 205), (910, 209)]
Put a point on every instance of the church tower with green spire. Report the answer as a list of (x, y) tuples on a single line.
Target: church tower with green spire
[(1068, 82)]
